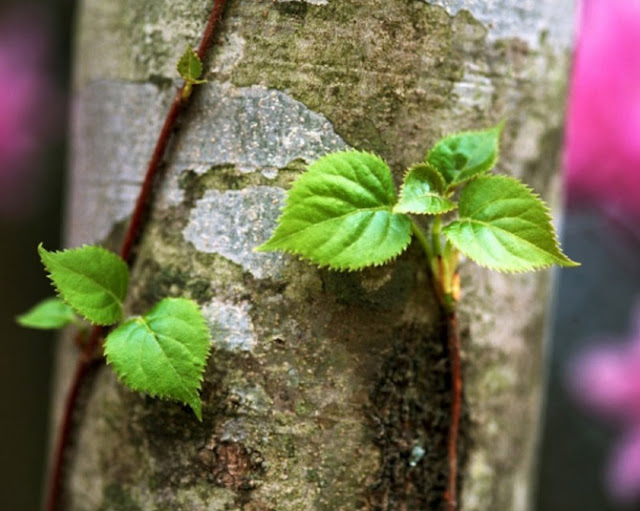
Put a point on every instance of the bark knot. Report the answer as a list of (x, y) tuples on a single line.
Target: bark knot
[(232, 465)]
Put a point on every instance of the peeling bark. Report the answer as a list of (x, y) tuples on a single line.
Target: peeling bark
[(325, 391)]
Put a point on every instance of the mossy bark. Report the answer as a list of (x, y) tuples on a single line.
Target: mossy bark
[(323, 389)]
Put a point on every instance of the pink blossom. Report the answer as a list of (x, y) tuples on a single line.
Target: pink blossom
[(624, 472), (607, 380), (27, 104), (602, 157), (602, 164)]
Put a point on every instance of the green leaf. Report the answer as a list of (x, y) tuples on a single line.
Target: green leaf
[(462, 156), (49, 314), (504, 226), (423, 192), (91, 279), (339, 214), (164, 352), (190, 66)]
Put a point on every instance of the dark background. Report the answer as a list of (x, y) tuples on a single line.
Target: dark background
[(593, 302), (26, 355)]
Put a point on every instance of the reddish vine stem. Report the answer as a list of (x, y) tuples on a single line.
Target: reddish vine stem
[(447, 302), (453, 342), (177, 106), (89, 355), (85, 361), (135, 226)]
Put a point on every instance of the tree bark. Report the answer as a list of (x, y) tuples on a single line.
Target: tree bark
[(323, 388)]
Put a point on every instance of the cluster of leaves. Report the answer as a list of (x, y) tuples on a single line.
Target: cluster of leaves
[(162, 353), (344, 212)]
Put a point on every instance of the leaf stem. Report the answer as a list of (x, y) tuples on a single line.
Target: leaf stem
[(179, 103), (453, 342), (422, 239), (86, 360), (444, 269), (436, 231), (89, 354), (186, 91)]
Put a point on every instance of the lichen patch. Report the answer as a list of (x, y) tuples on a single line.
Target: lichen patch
[(231, 325), (528, 20), (252, 128)]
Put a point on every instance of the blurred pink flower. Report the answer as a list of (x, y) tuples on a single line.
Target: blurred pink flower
[(624, 473), (602, 153), (27, 104), (607, 380)]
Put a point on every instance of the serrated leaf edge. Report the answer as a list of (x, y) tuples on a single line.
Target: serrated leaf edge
[(312, 169), (454, 184), (154, 395), (549, 218), (413, 167), (59, 293), (404, 181), (347, 269), (190, 52), (503, 270)]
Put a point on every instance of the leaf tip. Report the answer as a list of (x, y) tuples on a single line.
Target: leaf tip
[(196, 406), (42, 252), (23, 320), (569, 263)]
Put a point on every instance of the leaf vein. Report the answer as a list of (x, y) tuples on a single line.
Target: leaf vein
[(338, 217), (508, 233)]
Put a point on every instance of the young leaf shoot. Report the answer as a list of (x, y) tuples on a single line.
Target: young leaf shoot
[(189, 67), (463, 156), (423, 192), (162, 353), (343, 213)]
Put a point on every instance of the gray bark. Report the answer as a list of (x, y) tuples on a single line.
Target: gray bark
[(321, 385)]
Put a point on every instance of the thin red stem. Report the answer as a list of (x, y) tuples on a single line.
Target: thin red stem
[(85, 361), (89, 354), (209, 30), (142, 203), (447, 301), (177, 106), (453, 342)]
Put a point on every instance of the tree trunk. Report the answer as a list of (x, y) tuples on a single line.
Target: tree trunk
[(323, 389)]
